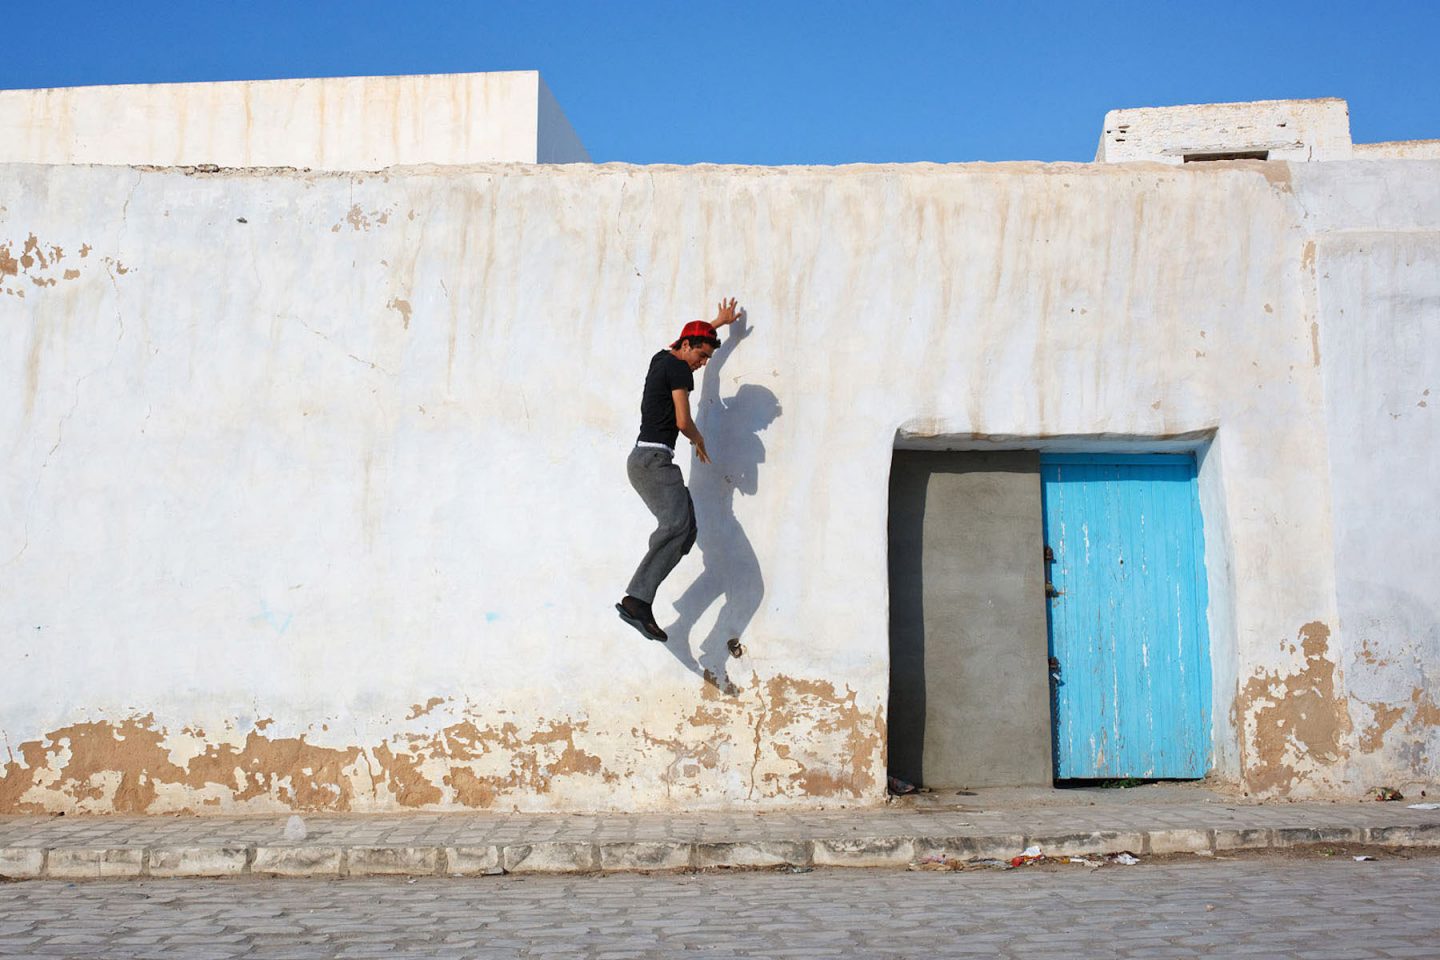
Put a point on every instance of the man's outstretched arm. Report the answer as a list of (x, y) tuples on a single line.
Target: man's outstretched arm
[(686, 423)]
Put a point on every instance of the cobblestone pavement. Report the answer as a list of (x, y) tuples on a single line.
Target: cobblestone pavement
[(1298, 906)]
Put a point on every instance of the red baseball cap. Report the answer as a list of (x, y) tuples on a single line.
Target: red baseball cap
[(696, 328)]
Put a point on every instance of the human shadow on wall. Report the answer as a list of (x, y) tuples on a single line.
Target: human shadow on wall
[(731, 426)]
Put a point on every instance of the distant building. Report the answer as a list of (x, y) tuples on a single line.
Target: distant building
[(332, 123), (1298, 130)]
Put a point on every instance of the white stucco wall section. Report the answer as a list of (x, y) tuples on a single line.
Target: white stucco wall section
[(336, 123), (315, 489), (1380, 321)]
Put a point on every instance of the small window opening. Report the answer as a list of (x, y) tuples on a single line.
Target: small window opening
[(1238, 155)]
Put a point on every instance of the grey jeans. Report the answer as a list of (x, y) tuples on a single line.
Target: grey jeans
[(655, 477)]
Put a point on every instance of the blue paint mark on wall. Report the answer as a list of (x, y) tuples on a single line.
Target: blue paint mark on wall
[(1127, 616), (491, 616), (277, 621)]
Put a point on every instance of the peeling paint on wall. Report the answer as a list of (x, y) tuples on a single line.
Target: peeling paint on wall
[(809, 741), (36, 260), (1293, 724)]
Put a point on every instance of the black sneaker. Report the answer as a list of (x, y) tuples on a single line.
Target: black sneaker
[(637, 613)]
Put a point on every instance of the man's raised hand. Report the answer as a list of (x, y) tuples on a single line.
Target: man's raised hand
[(727, 313)]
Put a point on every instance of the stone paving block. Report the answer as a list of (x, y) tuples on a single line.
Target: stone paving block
[(393, 861), (1416, 835), (297, 861), (1077, 844), (197, 861), (994, 847), (555, 856), (21, 863), (1294, 836), (79, 863), (1253, 838), (474, 861), (864, 852), (645, 855), (758, 853), (1178, 841)]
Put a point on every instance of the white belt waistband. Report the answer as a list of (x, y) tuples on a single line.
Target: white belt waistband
[(657, 446)]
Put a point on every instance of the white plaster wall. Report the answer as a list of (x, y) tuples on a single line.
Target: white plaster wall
[(335, 123), (315, 496), (1380, 323), (1298, 130)]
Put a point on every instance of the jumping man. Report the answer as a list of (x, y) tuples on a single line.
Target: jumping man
[(665, 414)]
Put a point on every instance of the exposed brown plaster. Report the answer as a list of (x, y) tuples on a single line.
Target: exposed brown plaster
[(1427, 711), (421, 709), (1368, 654), (34, 256), (470, 790), (815, 705), (404, 779), (301, 775), (1386, 717), (1283, 718), (1420, 716), (403, 308), (1315, 343), (708, 717), (32, 253), (810, 740)]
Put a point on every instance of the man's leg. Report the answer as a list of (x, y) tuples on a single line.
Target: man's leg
[(660, 484)]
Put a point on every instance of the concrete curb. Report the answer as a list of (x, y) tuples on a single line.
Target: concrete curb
[(570, 857)]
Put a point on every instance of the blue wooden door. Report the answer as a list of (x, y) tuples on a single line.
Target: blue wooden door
[(1130, 668)]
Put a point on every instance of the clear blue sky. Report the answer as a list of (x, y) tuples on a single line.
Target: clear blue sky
[(774, 82)]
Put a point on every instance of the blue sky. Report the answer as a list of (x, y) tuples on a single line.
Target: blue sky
[(806, 82)]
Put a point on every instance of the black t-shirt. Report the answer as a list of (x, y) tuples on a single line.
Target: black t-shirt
[(657, 406)]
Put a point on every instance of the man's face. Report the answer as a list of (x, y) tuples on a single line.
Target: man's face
[(695, 355)]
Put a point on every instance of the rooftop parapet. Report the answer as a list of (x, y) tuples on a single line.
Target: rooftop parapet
[(1257, 130)]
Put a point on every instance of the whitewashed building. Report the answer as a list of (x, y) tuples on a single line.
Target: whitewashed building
[(314, 493)]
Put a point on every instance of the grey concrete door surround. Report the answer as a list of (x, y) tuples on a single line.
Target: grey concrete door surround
[(969, 694)]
